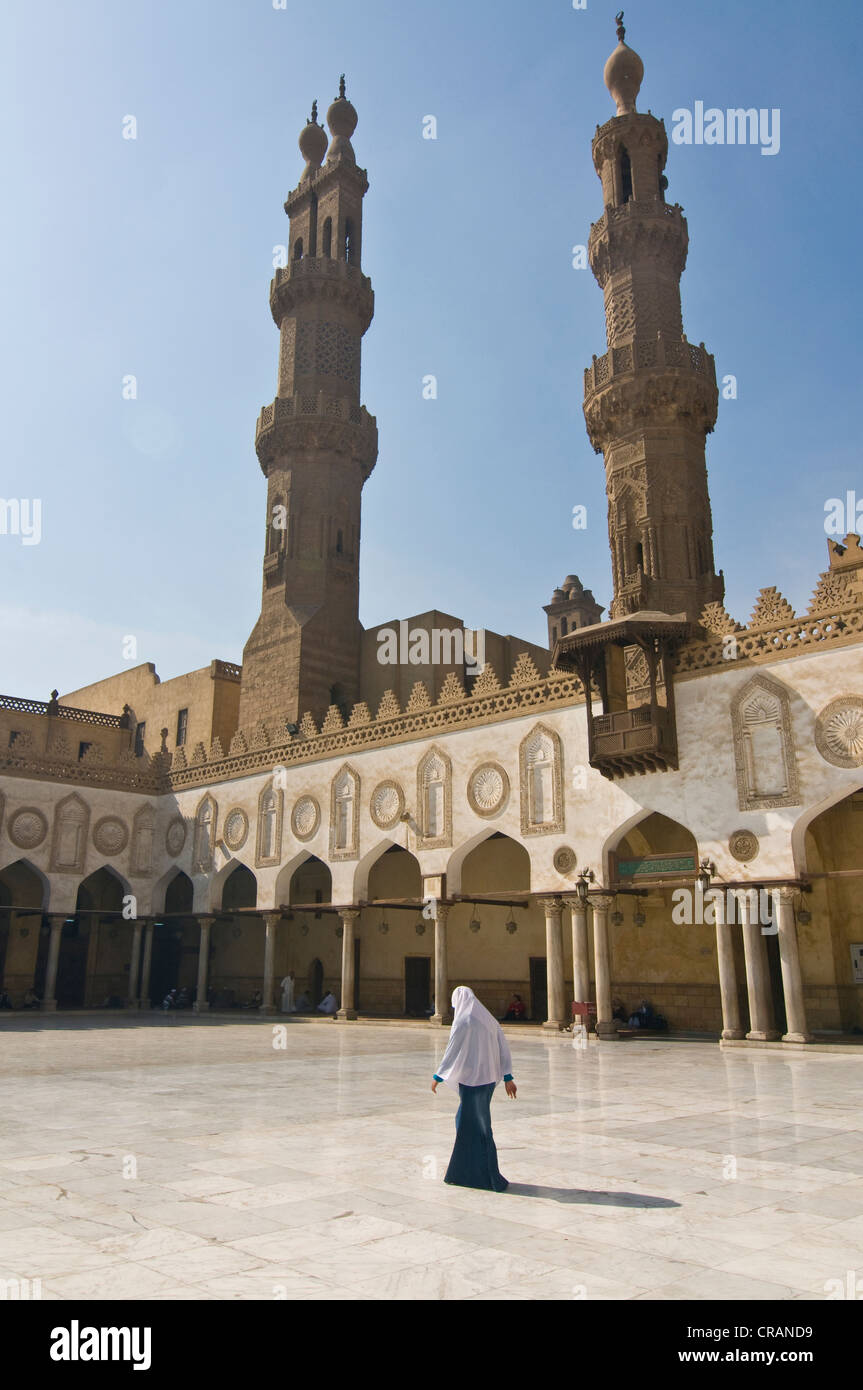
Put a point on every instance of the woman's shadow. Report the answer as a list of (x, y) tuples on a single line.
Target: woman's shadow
[(581, 1196)]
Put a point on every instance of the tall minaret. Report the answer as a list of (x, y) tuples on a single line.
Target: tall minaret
[(316, 444), (651, 400)]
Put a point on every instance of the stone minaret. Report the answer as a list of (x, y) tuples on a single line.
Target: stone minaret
[(652, 399), (316, 444)]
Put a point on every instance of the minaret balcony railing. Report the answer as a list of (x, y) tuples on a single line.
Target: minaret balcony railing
[(648, 354), (314, 277), (637, 210), (317, 267)]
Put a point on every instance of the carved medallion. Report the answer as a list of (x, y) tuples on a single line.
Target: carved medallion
[(110, 835), (488, 789), (564, 860), (743, 846), (387, 804), (839, 732), (27, 828), (305, 817), (175, 836), (236, 828)]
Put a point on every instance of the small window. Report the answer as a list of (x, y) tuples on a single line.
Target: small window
[(298, 249), (13, 734), (563, 627), (625, 177), (339, 543), (349, 241), (82, 749), (140, 730), (327, 238), (182, 725), (554, 634), (639, 556)]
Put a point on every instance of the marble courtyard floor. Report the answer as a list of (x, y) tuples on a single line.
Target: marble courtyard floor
[(171, 1157)]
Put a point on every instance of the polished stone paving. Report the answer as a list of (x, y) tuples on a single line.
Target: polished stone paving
[(170, 1157)]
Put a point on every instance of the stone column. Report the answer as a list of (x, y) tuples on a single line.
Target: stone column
[(761, 1023), (271, 922), (201, 1001), (606, 1026), (789, 956), (442, 1007), (149, 930), (349, 916), (49, 1003), (731, 1024), (132, 999), (553, 908), (580, 953)]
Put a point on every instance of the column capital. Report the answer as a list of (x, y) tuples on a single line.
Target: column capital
[(574, 903), (206, 922), (603, 902), (272, 918), (349, 914), (551, 906), (785, 894)]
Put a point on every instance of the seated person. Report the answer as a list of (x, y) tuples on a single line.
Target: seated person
[(618, 1010), (328, 1004), (644, 1017), (515, 1009), (303, 1004), (31, 999), (5, 1001)]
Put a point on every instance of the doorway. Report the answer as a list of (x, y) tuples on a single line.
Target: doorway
[(417, 986), (72, 964), (538, 989), (316, 983)]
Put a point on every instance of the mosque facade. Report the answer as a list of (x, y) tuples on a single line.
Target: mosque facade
[(666, 804)]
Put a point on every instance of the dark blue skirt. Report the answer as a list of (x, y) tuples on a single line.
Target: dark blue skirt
[(474, 1156)]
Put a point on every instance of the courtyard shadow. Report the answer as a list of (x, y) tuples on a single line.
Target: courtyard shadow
[(581, 1196)]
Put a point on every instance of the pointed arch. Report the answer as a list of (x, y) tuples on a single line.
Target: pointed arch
[(268, 843), (143, 836), (434, 800), (764, 754), (159, 896), (344, 814), (25, 885), (239, 889), (206, 825), (541, 782), (69, 843)]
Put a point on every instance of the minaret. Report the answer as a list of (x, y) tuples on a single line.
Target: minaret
[(572, 606), (651, 400), (316, 444)]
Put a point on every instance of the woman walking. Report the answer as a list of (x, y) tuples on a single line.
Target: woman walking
[(476, 1059)]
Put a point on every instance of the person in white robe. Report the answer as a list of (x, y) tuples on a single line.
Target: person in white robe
[(476, 1059), (288, 1005)]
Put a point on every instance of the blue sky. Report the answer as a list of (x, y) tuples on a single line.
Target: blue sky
[(154, 256)]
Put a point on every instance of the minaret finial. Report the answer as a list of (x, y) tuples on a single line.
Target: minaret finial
[(313, 119), (621, 32), (342, 86)]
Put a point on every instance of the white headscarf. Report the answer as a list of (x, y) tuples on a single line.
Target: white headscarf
[(477, 1053)]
